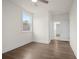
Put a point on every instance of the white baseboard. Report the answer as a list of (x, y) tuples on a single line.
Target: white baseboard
[(61, 39), (44, 42), (7, 50), (73, 50)]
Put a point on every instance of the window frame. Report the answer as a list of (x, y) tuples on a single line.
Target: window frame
[(31, 30)]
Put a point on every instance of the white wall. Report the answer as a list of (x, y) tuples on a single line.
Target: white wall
[(12, 25), (64, 26), (73, 27), (40, 19), (41, 25)]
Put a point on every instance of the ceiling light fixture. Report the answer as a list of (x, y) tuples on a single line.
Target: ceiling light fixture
[(34, 1)]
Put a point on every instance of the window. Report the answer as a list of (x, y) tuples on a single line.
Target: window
[(26, 21)]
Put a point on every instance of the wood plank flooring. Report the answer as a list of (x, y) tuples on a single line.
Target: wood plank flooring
[(54, 50)]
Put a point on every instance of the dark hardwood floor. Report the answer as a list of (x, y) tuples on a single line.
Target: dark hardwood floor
[(54, 50)]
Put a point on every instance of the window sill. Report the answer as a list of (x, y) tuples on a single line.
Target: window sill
[(26, 31)]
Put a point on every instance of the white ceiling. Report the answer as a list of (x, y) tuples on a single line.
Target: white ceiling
[(60, 6), (55, 6)]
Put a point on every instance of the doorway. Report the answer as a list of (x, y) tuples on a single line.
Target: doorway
[(57, 30)]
